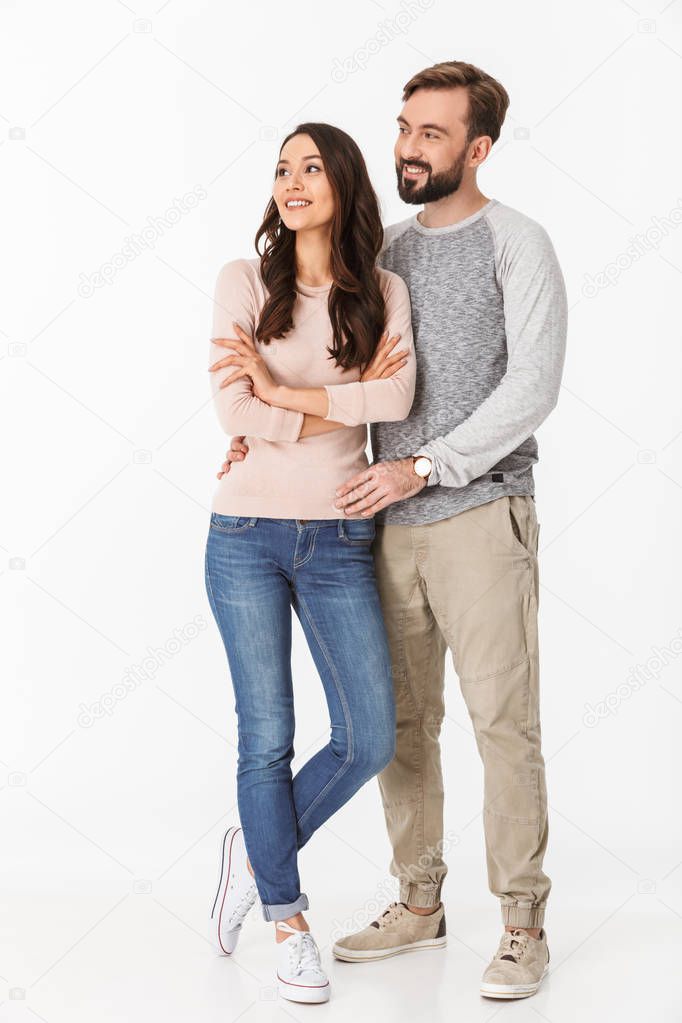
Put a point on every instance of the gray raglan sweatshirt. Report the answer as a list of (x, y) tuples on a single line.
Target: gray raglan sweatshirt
[(489, 316)]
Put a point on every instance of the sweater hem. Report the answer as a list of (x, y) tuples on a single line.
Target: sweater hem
[(441, 502)]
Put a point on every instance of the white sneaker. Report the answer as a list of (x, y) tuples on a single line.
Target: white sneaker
[(236, 893), (300, 976)]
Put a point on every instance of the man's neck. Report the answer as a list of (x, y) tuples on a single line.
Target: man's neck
[(453, 208)]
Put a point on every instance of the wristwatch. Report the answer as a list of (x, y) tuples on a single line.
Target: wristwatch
[(422, 465)]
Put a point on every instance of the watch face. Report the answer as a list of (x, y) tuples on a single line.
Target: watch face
[(422, 466)]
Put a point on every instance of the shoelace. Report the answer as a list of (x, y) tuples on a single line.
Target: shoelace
[(304, 954), (513, 945), (388, 916), (242, 908)]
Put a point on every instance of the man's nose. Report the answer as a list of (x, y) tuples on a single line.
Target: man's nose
[(408, 157)]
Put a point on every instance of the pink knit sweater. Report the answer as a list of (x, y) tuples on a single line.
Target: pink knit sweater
[(284, 476)]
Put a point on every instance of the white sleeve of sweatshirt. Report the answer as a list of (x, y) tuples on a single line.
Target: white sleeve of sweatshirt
[(535, 314)]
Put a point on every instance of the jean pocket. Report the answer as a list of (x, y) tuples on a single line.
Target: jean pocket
[(357, 531), (522, 521), (231, 523)]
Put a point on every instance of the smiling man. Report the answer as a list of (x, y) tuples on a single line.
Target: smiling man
[(452, 492)]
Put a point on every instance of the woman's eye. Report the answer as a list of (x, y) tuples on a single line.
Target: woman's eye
[(313, 166), (281, 171)]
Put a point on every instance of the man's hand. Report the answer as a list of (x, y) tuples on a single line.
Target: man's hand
[(236, 453), (378, 486)]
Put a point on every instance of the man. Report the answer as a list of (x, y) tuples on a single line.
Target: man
[(452, 492)]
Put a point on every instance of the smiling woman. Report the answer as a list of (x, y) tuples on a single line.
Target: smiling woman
[(322, 226), (303, 355)]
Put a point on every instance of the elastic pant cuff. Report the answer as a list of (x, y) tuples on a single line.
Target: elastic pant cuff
[(424, 896), (286, 909), (523, 916)]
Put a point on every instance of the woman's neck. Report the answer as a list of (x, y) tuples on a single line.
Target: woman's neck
[(313, 256)]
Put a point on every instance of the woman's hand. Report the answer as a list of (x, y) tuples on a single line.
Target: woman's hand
[(249, 362), (384, 364)]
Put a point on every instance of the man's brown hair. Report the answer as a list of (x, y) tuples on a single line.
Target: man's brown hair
[(488, 99)]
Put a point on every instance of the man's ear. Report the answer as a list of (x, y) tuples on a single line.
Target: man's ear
[(479, 149)]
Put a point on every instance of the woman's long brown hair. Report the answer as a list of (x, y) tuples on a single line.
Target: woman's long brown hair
[(355, 303)]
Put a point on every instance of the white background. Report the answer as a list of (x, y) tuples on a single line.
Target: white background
[(110, 114)]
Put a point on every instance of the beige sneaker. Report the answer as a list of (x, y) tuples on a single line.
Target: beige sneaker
[(518, 966), (396, 930)]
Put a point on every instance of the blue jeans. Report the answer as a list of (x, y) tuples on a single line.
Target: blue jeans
[(256, 570)]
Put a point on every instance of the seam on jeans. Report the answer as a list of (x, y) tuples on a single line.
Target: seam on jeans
[(528, 598), (421, 830), (494, 674), (307, 557), (403, 661), (512, 820), (418, 709), (537, 787), (405, 802), (346, 714), (211, 597)]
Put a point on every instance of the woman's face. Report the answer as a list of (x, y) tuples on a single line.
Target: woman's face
[(302, 190)]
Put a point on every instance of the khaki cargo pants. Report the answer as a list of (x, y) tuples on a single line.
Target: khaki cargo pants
[(468, 583)]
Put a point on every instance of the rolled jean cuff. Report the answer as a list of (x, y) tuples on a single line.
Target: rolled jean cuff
[(523, 915), (421, 895), (286, 909)]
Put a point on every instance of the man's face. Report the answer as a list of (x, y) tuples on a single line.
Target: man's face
[(431, 148)]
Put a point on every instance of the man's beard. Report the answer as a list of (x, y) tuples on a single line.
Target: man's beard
[(437, 186)]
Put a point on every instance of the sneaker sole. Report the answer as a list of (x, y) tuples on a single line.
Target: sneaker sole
[(302, 993), (512, 990), (351, 955), (225, 865)]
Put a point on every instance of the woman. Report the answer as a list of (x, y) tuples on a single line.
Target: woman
[(310, 327)]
